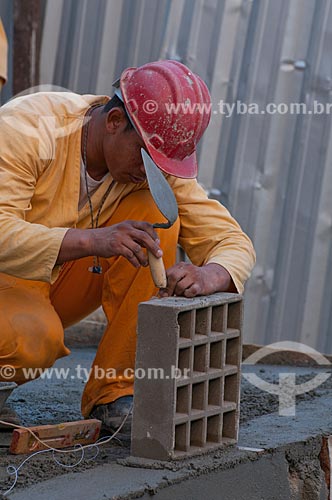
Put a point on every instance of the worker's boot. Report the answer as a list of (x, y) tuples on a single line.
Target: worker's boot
[(9, 415), (113, 415)]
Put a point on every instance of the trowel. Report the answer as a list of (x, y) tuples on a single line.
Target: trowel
[(165, 200)]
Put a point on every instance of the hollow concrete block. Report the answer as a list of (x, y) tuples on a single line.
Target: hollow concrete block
[(187, 380)]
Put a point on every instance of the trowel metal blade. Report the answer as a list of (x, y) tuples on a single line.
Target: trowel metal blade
[(160, 190)]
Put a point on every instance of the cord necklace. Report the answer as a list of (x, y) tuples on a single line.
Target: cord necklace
[(96, 268)]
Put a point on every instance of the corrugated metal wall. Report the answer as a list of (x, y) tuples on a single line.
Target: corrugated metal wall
[(6, 14), (274, 172)]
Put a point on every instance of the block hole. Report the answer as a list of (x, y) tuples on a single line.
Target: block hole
[(233, 351), (186, 322), (214, 429), (181, 441), (197, 437), (200, 358), (203, 321), (215, 392), (231, 388), (184, 359), (216, 355), (198, 396), (219, 318), (182, 399), (234, 315), (229, 428)]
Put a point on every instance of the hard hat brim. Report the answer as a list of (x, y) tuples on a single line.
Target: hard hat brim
[(185, 169)]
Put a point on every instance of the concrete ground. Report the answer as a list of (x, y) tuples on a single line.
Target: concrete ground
[(277, 457)]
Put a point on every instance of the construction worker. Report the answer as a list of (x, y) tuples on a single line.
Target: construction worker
[(76, 217), (3, 56)]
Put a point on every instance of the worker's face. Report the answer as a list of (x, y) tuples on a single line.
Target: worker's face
[(122, 151)]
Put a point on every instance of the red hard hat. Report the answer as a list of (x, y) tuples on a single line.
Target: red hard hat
[(170, 108)]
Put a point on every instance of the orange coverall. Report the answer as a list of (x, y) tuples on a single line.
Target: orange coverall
[(40, 153)]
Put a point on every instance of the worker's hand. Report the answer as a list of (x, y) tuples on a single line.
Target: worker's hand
[(128, 239), (187, 280)]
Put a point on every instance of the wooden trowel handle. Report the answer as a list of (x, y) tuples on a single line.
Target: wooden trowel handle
[(157, 269)]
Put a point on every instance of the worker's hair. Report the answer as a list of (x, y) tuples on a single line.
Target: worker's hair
[(115, 102)]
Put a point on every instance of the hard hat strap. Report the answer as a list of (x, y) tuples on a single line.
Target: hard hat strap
[(118, 93)]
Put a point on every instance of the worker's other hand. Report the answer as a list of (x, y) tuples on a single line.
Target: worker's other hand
[(128, 239), (185, 279)]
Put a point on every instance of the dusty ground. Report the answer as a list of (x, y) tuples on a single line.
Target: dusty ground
[(255, 402), (54, 401)]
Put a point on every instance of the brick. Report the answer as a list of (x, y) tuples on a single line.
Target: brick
[(67, 434), (180, 416), (325, 457)]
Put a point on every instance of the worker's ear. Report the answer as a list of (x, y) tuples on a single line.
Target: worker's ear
[(116, 120)]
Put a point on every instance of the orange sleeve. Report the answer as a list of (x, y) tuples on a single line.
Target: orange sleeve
[(208, 232)]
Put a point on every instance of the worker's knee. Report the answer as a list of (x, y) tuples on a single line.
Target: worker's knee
[(42, 343), (30, 340)]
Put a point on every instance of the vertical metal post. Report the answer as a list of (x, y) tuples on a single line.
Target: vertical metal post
[(27, 31)]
